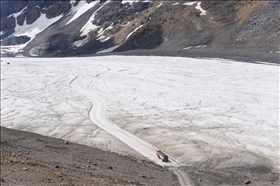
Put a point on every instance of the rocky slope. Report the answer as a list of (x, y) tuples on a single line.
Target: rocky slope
[(32, 159), (63, 28)]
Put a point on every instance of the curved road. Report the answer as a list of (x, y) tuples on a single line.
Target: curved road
[(97, 115)]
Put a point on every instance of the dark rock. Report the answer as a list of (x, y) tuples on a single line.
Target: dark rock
[(32, 15), (247, 182), (7, 24), (8, 7), (148, 37), (20, 19), (57, 9), (56, 166)]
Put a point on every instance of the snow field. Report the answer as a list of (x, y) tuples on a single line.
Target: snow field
[(213, 113)]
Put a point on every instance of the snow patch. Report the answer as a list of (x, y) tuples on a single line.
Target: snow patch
[(79, 43), (72, 2), (126, 24), (33, 54), (15, 15), (132, 1), (89, 26), (133, 32), (175, 3), (18, 13), (159, 5), (2, 33), (102, 30), (190, 3), (198, 46), (103, 39), (203, 12), (38, 26), (110, 27), (81, 8), (15, 49), (111, 49), (129, 1)]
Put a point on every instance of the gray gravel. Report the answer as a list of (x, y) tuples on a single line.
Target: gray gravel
[(238, 55)]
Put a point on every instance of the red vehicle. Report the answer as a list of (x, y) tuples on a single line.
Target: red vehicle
[(162, 156)]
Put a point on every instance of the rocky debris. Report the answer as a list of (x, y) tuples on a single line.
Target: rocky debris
[(263, 26), (51, 47), (44, 169), (221, 11), (118, 12), (259, 175), (15, 40)]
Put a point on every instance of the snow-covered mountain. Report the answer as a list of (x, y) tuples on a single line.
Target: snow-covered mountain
[(73, 27)]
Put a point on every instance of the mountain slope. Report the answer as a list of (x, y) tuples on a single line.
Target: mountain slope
[(63, 28)]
